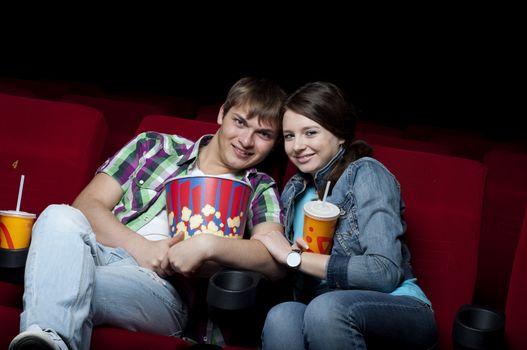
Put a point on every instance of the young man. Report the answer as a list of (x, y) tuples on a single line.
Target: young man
[(103, 260)]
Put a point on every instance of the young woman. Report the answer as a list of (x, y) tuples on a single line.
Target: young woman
[(362, 295)]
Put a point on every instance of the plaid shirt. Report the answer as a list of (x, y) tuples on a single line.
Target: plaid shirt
[(145, 163)]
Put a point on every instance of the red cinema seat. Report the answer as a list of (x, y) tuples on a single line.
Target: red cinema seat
[(188, 128), (444, 198), (56, 145), (516, 306), (122, 117), (504, 203), (9, 325), (208, 113), (398, 142)]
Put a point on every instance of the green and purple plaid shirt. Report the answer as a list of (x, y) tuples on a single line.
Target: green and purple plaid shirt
[(145, 163)]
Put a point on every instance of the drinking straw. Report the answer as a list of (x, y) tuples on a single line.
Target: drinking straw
[(326, 192), (20, 192)]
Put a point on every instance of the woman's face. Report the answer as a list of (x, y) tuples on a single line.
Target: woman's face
[(307, 144)]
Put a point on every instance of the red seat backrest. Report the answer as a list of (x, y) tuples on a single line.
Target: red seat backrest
[(188, 128), (122, 117), (516, 307), (505, 200), (444, 197), (56, 145)]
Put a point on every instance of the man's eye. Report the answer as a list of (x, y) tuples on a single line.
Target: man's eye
[(266, 135)]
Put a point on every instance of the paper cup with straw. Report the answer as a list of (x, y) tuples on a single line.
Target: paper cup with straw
[(320, 220), (16, 225)]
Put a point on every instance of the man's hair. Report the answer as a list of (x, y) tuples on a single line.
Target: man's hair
[(263, 97)]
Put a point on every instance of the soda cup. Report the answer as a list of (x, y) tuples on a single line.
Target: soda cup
[(320, 219), (15, 229)]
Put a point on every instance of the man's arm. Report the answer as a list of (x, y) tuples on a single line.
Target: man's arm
[(96, 202), (187, 257)]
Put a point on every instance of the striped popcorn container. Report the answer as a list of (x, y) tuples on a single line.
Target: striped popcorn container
[(207, 204)]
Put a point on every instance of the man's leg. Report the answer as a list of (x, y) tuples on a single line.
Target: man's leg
[(132, 297), (59, 275)]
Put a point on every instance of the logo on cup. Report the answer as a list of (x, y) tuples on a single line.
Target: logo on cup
[(15, 229), (320, 219)]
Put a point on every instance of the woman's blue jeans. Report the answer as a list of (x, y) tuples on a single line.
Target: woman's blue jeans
[(351, 319), (73, 283)]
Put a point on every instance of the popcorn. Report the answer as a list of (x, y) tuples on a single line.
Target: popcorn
[(207, 204), (208, 210), (195, 221)]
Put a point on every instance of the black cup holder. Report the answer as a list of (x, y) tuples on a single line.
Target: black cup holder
[(233, 289), (478, 328)]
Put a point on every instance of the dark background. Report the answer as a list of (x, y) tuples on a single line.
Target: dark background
[(443, 66)]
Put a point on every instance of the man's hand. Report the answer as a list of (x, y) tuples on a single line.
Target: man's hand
[(153, 255), (188, 256)]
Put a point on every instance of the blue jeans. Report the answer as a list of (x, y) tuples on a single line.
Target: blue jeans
[(351, 319), (73, 283)]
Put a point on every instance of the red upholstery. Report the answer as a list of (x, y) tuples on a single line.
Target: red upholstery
[(15, 90), (112, 338), (188, 128), (208, 113), (122, 117), (444, 197), (9, 324), (398, 142), (11, 294), (505, 200), (516, 307), (378, 129), (57, 146)]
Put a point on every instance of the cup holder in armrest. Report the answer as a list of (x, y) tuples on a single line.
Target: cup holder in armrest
[(233, 289), (479, 328)]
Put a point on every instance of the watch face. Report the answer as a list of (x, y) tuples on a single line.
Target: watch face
[(293, 259)]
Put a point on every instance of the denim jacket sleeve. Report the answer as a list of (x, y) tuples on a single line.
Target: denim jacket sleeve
[(370, 229)]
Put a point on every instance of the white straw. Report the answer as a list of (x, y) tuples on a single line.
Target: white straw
[(20, 189), (326, 192)]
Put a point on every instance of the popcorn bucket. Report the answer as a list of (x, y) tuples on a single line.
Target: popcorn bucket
[(207, 204)]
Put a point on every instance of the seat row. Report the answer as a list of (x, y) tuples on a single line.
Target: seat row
[(462, 214)]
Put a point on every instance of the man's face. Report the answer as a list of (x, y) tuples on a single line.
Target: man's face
[(244, 142)]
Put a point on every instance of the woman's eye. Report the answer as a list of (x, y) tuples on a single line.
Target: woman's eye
[(311, 132), (288, 136)]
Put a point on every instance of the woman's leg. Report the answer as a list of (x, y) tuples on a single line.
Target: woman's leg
[(283, 327), (352, 319)]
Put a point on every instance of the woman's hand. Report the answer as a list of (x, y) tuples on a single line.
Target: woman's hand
[(276, 244)]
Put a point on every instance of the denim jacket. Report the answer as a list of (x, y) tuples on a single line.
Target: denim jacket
[(368, 251)]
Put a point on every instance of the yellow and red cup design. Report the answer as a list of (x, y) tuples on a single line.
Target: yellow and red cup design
[(320, 220), (207, 204), (15, 229)]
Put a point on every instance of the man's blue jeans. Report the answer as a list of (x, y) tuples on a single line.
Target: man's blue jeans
[(351, 319), (73, 283)]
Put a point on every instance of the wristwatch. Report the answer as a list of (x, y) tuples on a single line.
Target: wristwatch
[(294, 258)]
